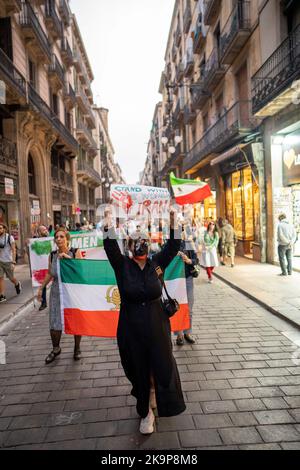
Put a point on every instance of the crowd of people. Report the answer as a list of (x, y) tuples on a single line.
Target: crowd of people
[(137, 256)]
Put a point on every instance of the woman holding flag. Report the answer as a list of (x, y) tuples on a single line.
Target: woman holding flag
[(62, 240), (144, 334)]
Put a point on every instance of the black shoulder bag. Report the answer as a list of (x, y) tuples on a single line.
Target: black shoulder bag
[(170, 306)]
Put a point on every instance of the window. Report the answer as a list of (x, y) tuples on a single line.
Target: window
[(32, 73), (55, 105), (31, 175)]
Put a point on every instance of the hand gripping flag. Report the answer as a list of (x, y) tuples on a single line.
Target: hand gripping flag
[(189, 191)]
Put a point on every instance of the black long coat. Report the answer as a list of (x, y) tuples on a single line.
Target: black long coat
[(144, 333)]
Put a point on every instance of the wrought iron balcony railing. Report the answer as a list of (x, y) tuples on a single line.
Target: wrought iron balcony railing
[(178, 112), (43, 109), (52, 20), (11, 76), (228, 129), (55, 69), (276, 75), (174, 51), (84, 168), (211, 8), (66, 52), (189, 114), (188, 62), (199, 94), (31, 26), (8, 153), (177, 36), (187, 17), (82, 129), (235, 32), (213, 71), (199, 37), (64, 12)]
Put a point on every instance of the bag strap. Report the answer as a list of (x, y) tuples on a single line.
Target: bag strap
[(160, 276)]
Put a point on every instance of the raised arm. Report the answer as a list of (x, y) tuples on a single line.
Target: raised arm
[(171, 248), (112, 248)]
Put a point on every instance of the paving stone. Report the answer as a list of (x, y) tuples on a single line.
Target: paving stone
[(119, 413), (16, 410), (239, 435), (202, 395), (274, 372), (175, 423), (20, 437), (219, 374), (4, 423), (244, 382), (273, 417), (218, 406), (199, 438), (290, 445), (50, 407), (279, 433), (28, 422), (250, 404), (243, 419), (260, 392), (77, 444), (234, 394), (193, 408), (246, 373), (65, 433), (291, 390), (228, 366), (275, 403), (82, 404), (214, 384), (293, 402), (190, 386), (260, 447), (214, 421)]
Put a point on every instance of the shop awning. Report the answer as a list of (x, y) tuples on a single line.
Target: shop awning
[(228, 154)]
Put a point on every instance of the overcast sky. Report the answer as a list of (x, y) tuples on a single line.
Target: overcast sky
[(126, 41)]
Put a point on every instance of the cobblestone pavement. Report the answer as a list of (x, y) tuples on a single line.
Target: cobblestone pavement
[(240, 381)]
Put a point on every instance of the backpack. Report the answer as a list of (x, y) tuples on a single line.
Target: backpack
[(73, 251), (7, 239)]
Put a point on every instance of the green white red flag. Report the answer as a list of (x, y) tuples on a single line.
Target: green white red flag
[(189, 191)]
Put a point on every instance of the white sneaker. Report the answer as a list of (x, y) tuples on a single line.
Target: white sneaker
[(147, 424), (152, 401)]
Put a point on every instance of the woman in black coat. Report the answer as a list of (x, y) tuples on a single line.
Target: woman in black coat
[(144, 333)]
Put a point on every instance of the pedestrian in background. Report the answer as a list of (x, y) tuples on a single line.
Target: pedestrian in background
[(8, 253), (209, 256), (220, 225), (229, 242), (62, 239), (189, 256), (286, 237)]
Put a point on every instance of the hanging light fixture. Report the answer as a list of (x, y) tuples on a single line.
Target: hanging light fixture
[(164, 140)]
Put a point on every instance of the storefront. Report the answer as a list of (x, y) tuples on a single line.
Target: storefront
[(285, 154), (242, 202), (207, 209)]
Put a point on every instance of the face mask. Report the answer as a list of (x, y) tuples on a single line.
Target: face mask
[(141, 248)]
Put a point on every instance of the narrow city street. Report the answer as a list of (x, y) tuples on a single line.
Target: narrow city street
[(241, 382)]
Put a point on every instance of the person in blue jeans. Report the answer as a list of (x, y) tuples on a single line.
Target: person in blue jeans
[(286, 236), (189, 257)]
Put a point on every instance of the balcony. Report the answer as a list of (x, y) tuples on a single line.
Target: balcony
[(77, 60), (179, 72), (235, 32), (189, 115), (86, 138), (66, 53), (272, 88), (8, 153), (34, 34), (56, 74), (199, 94), (87, 173), (188, 63), (174, 52), (52, 21), (199, 38), (211, 9), (178, 113), (64, 12), (12, 7), (12, 78), (178, 35), (61, 177), (187, 17), (173, 161), (52, 121), (229, 129), (69, 96), (85, 107), (213, 71)]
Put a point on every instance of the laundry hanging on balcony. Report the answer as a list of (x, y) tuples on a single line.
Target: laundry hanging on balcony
[(189, 191)]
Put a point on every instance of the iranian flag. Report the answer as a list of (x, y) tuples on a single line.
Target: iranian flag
[(189, 191), (90, 298)]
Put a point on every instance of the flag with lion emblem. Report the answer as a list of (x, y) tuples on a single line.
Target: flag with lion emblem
[(90, 298)]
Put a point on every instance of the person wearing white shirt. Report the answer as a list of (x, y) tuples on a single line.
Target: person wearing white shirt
[(7, 261), (286, 237)]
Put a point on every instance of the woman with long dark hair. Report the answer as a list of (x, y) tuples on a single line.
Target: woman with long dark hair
[(209, 256)]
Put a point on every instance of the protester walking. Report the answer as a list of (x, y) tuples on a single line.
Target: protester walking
[(229, 241), (286, 237), (190, 259), (62, 240), (8, 253), (43, 233), (220, 225), (209, 256), (144, 333)]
